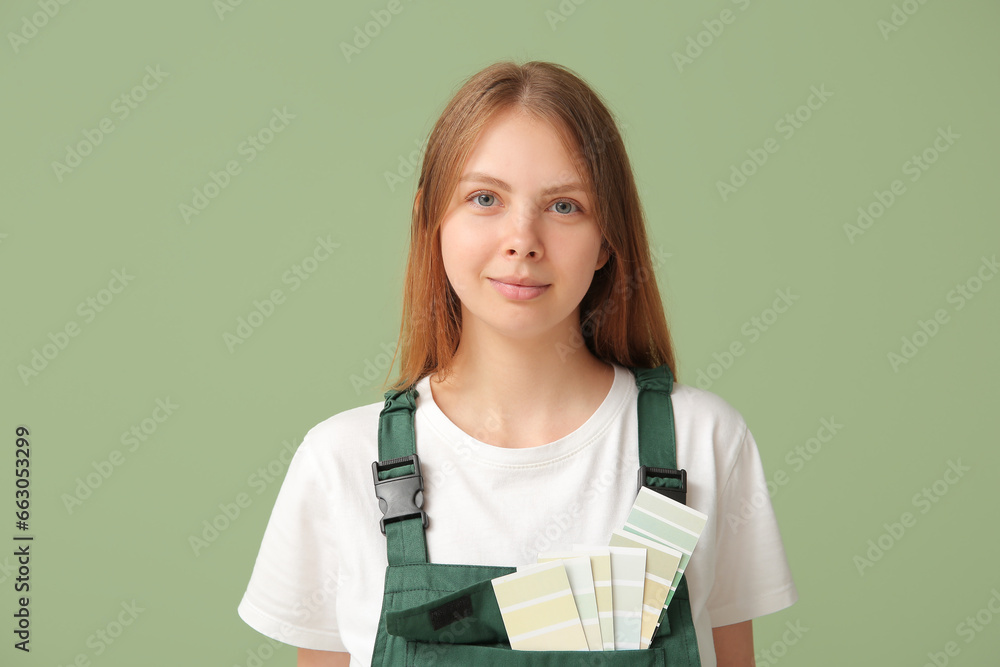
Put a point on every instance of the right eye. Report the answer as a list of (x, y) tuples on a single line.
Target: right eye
[(482, 199)]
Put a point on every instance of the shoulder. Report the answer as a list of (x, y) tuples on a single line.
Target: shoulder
[(345, 438), (346, 424), (710, 424), (706, 408)]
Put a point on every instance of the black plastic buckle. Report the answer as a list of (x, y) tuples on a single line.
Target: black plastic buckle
[(678, 493), (399, 497)]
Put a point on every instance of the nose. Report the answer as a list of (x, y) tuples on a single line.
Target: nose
[(520, 235)]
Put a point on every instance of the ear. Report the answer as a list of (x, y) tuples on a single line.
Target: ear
[(602, 257)]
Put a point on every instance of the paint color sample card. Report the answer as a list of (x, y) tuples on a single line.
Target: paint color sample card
[(628, 580), (661, 564), (669, 522), (538, 610), (581, 580), (600, 565)]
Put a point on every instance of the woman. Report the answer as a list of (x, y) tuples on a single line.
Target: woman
[(529, 295)]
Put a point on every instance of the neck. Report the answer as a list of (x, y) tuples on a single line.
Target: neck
[(522, 390)]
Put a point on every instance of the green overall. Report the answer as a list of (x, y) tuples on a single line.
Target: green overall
[(446, 614)]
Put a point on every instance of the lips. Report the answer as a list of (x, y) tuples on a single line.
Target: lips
[(518, 292), (520, 281)]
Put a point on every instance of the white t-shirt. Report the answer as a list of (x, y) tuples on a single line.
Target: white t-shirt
[(319, 576)]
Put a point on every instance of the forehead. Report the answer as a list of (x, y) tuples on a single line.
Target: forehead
[(516, 146)]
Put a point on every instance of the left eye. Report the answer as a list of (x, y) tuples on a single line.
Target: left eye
[(565, 206)]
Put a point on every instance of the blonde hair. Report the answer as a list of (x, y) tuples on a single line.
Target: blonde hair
[(621, 315)]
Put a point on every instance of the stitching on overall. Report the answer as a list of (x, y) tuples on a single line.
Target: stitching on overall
[(659, 654), (684, 633), (435, 590), (389, 598), (450, 565)]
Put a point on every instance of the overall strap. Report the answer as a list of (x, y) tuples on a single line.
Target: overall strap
[(657, 444), (398, 483)]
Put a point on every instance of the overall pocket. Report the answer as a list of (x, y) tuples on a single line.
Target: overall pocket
[(467, 616), (424, 654), (466, 628), (439, 615)]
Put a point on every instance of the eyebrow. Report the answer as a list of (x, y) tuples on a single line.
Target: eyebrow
[(496, 182)]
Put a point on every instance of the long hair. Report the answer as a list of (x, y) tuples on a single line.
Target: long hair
[(621, 315)]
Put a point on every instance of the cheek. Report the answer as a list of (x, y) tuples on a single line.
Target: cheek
[(578, 252), (462, 256)]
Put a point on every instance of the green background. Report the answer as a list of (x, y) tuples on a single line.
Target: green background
[(324, 175)]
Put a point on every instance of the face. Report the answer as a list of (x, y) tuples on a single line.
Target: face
[(521, 214)]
